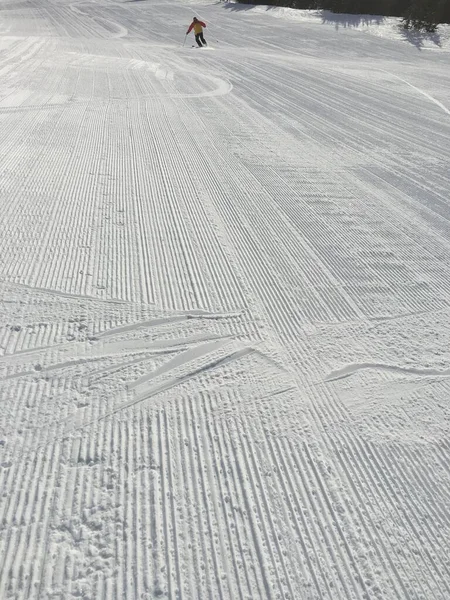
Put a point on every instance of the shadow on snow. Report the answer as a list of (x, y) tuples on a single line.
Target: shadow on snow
[(417, 38), (347, 20)]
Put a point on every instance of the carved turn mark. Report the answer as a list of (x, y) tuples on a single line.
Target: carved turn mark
[(352, 369)]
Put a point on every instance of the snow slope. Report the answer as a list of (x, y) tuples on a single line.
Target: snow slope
[(385, 27), (225, 286)]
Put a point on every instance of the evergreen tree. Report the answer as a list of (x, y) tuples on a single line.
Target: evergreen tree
[(444, 11), (422, 15)]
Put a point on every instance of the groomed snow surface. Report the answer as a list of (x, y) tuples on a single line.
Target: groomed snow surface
[(225, 287)]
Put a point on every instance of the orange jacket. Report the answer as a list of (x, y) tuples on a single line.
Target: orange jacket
[(197, 26)]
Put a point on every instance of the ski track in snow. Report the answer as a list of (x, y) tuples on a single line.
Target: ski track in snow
[(351, 369), (225, 289), (423, 92)]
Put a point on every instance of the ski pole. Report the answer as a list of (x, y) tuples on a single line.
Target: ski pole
[(184, 40)]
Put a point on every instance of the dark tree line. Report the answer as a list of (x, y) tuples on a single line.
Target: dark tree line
[(417, 14)]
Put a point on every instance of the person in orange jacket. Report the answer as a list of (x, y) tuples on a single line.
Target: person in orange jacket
[(197, 26)]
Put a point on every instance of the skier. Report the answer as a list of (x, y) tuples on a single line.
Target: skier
[(197, 26)]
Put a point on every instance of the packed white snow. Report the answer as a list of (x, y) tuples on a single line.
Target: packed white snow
[(225, 294)]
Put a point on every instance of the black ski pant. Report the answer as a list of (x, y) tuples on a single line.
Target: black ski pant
[(200, 39)]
